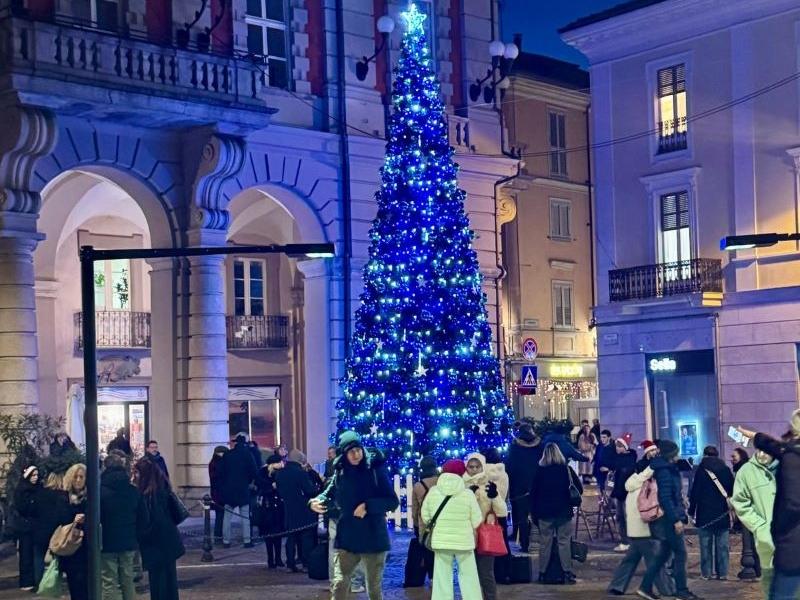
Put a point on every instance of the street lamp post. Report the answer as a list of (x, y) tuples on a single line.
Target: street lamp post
[(88, 256), (755, 240)]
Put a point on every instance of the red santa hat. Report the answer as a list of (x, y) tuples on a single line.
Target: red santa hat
[(625, 440), (648, 446)]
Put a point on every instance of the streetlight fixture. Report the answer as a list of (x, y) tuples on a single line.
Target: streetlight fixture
[(385, 26), (503, 57), (731, 243)]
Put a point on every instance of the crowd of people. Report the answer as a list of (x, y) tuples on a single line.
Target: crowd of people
[(455, 506)]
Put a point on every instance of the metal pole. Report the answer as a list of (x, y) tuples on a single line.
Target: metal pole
[(207, 545), (92, 524)]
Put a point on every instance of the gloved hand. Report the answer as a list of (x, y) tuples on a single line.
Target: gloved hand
[(474, 488), (491, 489)]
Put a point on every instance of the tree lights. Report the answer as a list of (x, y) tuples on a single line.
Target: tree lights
[(421, 378)]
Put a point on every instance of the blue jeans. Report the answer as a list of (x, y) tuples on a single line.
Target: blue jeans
[(714, 552), (671, 544), (784, 587)]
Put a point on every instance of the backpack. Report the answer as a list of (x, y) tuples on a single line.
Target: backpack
[(647, 502)]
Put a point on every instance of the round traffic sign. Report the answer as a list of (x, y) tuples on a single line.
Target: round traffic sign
[(530, 349)]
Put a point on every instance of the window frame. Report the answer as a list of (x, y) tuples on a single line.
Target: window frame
[(559, 203), (430, 29), (557, 287), (108, 286), (651, 74), (559, 151), (248, 297), (265, 24)]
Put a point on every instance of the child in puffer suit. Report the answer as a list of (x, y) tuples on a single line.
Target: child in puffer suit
[(453, 533)]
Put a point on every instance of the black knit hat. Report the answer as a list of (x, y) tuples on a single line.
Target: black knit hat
[(667, 449)]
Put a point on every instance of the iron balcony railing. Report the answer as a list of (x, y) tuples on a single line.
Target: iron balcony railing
[(116, 329), (257, 332), (672, 135), (665, 279)]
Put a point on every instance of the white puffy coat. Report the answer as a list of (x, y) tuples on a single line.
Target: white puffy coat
[(636, 528), (456, 525), (497, 473), (496, 504)]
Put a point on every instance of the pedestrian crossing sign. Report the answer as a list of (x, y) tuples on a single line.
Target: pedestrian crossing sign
[(528, 379)]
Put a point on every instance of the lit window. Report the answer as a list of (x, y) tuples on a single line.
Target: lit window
[(560, 219), (267, 38), (675, 242), (248, 287), (562, 305), (112, 285), (558, 144), (672, 123)]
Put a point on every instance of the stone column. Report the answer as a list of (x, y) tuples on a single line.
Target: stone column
[(319, 409), (203, 406), (19, 387), (163, 392)]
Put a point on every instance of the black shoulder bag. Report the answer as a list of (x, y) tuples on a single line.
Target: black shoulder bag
[(427, 536)]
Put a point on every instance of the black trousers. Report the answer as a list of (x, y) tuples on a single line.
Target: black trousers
[(300, 543), (26, 570), (274, 546), (77, 580), (163, 582), (219, 515), (520, 513)]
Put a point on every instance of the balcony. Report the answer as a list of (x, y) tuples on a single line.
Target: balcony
[(265, 332), (458, 132), (83, 57), (120, 329), (665, 279), (672, 135)]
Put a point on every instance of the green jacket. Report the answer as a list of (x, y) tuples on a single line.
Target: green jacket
[(753, 499)]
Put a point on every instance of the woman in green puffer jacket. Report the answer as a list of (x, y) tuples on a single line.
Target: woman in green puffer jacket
[(753, 500)]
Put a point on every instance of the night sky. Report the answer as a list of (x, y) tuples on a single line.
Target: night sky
[(539, 20)]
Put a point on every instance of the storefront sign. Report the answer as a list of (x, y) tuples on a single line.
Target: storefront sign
[(663, 365), (566, 370)]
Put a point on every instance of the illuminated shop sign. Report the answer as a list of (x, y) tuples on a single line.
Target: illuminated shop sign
[(566, 370), (663, 365)]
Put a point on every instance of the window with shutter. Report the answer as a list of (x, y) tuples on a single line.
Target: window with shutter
[(672, 117), (560, 219), (558, 144), (562, 305), (675, 238)]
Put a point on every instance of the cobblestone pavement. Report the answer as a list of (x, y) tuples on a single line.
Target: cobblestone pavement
[(241, 574)]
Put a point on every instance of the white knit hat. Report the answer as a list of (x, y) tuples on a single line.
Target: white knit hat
[(29, 471)]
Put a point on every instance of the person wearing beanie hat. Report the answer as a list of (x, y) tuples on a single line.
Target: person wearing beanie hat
[(453, 533), (296, 491), (521, 465), (428, 476), (669, 528), (217, 482), (270, 516), (361, 493), (785, 527), (624, 467), (25, 501)]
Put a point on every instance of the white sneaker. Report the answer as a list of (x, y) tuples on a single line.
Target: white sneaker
[(357, 589), (622, 548)]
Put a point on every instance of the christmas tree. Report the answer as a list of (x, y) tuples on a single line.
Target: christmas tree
[(421, 378)]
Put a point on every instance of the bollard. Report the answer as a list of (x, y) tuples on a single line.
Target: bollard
[(748, 556), (207, 556)]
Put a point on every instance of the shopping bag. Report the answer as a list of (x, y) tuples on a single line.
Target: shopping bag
[(490, 538), (51, 586)]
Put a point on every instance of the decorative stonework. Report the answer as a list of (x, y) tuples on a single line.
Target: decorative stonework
[(113, 369), (506, 208), (221, 159)]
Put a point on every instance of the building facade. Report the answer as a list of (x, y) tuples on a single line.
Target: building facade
[(163, 124), (697, 132), (547, 251)]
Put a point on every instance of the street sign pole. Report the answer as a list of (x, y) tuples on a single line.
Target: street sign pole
[(88, 256)]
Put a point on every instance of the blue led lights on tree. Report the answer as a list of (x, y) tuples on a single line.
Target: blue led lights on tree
[(421, 378)]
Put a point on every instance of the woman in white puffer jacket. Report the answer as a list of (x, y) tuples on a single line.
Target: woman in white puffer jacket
[(453, 534), (490, 500)]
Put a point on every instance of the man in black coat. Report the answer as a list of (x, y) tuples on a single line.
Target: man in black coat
[(624, 467), (708, 506), (296, 490), (120, 443), (123, 516), (154, 455), (238, 472), (785, 526), (604, 458), (521, 465), (361, 492)]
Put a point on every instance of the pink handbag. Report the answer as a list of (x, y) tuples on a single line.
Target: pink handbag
[(491, 538)]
